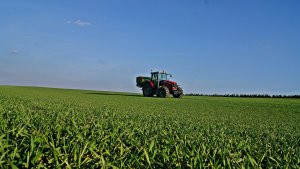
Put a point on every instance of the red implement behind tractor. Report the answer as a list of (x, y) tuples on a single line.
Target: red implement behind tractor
[(159, 84)]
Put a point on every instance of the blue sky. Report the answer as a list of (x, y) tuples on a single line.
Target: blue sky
[(210, 46)]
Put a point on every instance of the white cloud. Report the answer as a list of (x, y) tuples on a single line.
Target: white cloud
[(79, 22)]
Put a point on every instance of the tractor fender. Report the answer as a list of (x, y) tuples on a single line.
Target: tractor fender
[(151, 83)]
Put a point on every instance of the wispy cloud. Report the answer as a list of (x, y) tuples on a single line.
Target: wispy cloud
[(14, 52), (79, 23)]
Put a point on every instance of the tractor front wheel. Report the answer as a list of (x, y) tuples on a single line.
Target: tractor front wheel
[(163, 92), (148, 90), (178, 93)]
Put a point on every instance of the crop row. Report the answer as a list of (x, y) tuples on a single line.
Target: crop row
[(49, 129)]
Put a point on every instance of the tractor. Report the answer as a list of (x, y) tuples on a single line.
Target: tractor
[(159, 84)]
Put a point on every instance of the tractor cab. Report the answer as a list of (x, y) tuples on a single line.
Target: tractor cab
[(158, 76)]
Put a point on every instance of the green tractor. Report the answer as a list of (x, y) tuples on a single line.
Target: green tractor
[(159, 84)]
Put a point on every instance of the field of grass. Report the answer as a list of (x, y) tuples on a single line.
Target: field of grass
[(46, 128)]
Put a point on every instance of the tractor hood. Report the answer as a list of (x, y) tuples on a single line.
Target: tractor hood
[(168, 82)]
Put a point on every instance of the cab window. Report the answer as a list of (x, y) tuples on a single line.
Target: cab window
[(163, 77), (154, 76)]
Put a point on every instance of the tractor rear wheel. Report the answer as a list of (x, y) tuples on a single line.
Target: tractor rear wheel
[(148, 90), (163, 92), (179, 93)]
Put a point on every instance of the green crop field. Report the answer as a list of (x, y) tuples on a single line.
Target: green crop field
[(60, 128)]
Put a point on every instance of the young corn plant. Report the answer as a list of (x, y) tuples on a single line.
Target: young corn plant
[(60, 128)]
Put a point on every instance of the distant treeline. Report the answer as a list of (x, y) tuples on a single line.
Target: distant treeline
[(245, 95)]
